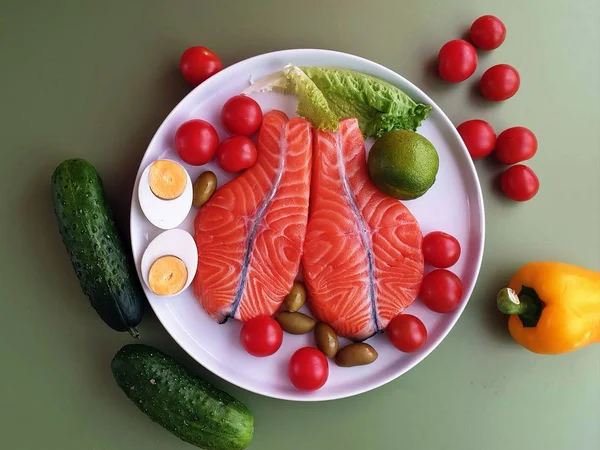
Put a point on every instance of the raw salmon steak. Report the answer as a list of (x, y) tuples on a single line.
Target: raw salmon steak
[(250, 234), (363, 262)]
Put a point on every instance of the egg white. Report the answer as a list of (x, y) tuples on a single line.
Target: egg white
[(164, 214), (177, 243)]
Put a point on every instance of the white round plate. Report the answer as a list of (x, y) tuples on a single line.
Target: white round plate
[(454, 205)]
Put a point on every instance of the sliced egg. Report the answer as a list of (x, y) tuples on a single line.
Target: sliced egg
[(169, 263), (167, 275), (165, 193), (166, 179)]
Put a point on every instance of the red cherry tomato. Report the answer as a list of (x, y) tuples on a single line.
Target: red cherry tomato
[(520, 183), (500, 82), (196, 142), (199, 63), (441, 291), (515, 144), (308, 369), (241, 115), (478, 136), (236, 153), (457, 61), (261, 336), (440, 249), (407, 333), (487, 32)]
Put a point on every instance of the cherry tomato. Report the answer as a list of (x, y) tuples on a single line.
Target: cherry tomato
[(199, 63), (515, 144), (487, 32), (407, 333), (478, 136), (196, 142), (441, 291), (457, 61), (520, 183), (308, 369), (236, 153), (261, 336), (500, 82), (241, 115), (440, 249)]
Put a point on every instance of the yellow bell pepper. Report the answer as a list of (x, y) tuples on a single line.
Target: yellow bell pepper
[(554, 307)]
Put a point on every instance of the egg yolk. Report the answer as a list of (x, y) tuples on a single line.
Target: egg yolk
[(167, 275), (167, 179)]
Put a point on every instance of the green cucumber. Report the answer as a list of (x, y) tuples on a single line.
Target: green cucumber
[(175, 398), (98, 255)]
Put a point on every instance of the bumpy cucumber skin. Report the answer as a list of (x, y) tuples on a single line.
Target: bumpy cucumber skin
[(105, 272), (186, 405)]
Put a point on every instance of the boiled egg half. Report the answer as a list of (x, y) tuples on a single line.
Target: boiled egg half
[(169, 263), (165, 193)]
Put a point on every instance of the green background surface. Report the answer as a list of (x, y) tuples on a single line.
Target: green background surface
[(96, 79)]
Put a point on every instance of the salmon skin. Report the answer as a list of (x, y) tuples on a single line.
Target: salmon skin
[(363, 261), (250, 234)]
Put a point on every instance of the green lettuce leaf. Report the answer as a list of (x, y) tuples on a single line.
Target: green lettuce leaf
[(326, 95), (312, 104), (379, 106)]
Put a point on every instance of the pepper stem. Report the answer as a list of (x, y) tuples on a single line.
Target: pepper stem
[(509, 302), (527, 305)]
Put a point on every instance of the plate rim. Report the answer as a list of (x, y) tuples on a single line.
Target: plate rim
[(478, 257)]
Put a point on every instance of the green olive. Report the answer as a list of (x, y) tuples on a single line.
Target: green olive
[(357, 354), (204, 187), (326, 339), (294, 322), (296, 298)]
